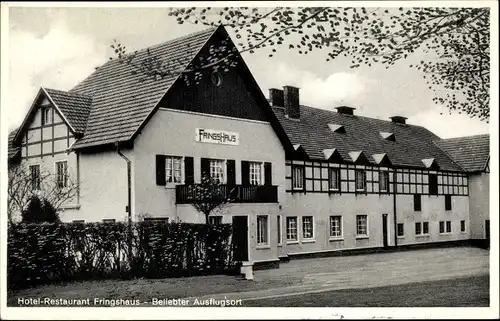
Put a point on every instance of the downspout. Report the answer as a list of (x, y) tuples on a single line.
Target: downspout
[(395, 217), (129, 198)]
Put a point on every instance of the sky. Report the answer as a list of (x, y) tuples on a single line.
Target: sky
[(59, 47)]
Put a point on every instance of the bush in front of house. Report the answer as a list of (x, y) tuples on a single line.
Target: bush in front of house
[(39, 211), (54, 252)]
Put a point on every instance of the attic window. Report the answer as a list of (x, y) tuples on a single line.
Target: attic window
[(45, 116), (388, 136), (337, 128), (216, 78)]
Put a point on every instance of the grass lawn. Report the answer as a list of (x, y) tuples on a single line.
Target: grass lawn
[(145, 289), (462, 292)]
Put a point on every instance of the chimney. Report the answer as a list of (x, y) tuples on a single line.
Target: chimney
[(276, 97), (398, 119), (291, 100), (345, 110)]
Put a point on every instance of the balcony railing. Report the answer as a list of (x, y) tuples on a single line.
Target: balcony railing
[(186, 194)]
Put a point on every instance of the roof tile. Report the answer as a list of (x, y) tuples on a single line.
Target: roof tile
[(413, 143), (470, 152)]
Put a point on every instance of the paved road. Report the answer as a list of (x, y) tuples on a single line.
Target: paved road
[(367, 271)]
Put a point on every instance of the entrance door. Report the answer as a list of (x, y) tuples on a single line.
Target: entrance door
[(384, 230), (240, 238)]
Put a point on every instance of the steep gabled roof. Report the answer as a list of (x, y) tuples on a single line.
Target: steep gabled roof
[(471, 152), (75, 107), (121, 101), (413, 143)]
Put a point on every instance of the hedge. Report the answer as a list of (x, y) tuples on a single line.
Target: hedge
[(52, 252)]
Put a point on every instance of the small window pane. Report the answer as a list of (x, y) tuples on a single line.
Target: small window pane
[(291, 228), (401, 230), (307, 227), (418, 228), (384, 181), (334, 179), (361, 225), (262, 229), (215, 220), (360, 180), (298, 177), (426, 227), (335, 226)]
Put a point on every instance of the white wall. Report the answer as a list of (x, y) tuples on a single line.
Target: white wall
[(479, 186)]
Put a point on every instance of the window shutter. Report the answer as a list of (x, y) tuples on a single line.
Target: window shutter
[(231, 172), (245, 173), (205, 167), (188, 170), (268, 174), (160, 170)]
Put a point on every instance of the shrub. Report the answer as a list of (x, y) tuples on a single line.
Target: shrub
[(49, 252), (39, 211)]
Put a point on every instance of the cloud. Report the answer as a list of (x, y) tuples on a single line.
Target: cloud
[(447, 126), (59, 59), (337, 89)]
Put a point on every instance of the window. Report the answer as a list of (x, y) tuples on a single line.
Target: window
[(447, 202), (298, 177), (262, 230), (417, 202), (334, 178), (291, 228), (217, 170), (278, 218), (426, 227), (335, 226), (433, 184), (444, 227), (45, 116), (62, 174), (362, 225), (215, 220), (401, 229), (307, 227), (108, 220), (78, 221), (173, 172), (418, 228), (255, 173), (35, 177), (462, 226), (360, 180), (384, 181)]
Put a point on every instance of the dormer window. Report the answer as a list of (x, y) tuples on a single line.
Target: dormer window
[(45, 116), (336, 128), (388, 136)]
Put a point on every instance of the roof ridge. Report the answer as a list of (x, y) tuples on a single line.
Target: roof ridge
[(464, 137), (360, 116)]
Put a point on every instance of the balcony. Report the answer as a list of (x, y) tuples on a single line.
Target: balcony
[(186, 194)]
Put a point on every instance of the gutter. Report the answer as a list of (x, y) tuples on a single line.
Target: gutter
[(129, 197), (129, 183), (395, 217)]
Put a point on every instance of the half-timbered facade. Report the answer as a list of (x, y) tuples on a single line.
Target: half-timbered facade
[(304, 180)]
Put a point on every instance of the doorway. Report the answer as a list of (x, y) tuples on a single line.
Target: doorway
[(240, 238), (384, 230)]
